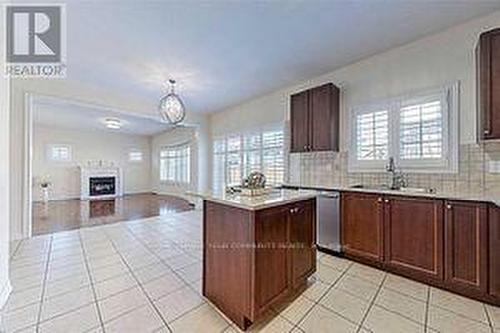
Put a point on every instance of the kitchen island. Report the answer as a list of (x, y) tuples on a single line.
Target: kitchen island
[(257, 250)]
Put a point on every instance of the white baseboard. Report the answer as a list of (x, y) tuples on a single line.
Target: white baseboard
[(4, 293), (77, 197), (181, 195)]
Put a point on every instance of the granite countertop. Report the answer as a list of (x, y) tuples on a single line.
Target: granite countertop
[(438, 195), (275, 198)]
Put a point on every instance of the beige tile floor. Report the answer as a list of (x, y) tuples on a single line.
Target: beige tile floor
[(144, 276)]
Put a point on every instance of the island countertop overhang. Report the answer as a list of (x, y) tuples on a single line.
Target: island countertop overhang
[(275, 198)]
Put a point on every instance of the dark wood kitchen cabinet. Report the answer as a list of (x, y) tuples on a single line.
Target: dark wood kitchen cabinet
[(488, 84), (494, 251), (466, 250), (413, 236), (454, 245), (271, 262), (362, 226), (299, 120), (314, 117), (254, 259), (302, 241)]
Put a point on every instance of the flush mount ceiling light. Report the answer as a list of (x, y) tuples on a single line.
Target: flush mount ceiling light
[(113, 123), (171, 107)]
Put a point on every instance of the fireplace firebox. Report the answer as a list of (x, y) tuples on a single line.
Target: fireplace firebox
[(102, 186)]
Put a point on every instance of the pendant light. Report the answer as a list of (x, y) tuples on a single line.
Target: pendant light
[(171, 106)]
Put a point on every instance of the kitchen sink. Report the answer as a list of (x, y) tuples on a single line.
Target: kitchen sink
[(402, 189)]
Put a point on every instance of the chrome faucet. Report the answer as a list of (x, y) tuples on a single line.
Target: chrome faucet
[(398, 179)]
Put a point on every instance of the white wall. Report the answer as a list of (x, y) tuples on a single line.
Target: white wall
[(73, 91), (4, 182), (87, 146), (433, 61)]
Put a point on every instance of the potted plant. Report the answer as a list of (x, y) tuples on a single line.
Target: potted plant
[(44, 186)]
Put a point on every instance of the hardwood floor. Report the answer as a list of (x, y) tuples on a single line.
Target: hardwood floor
[(73, 214)]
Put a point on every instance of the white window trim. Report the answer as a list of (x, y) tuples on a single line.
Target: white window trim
[(449, 164), (135, 151), (50, 156), (189, 161), (249, 131), (354, 165)]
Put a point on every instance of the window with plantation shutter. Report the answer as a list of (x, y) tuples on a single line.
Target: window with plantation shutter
[(419, 131), (236, 156), (372, 135), (219, 164), (273, 159)]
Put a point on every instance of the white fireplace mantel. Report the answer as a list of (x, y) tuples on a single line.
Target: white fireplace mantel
[(96, 171)]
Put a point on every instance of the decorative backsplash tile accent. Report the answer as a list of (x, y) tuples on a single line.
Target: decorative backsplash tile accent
[(330, 169)]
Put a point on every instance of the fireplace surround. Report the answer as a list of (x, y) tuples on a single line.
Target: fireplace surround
[(101, 183)]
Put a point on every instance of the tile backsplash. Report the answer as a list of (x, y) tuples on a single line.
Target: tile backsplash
[(479, 171)]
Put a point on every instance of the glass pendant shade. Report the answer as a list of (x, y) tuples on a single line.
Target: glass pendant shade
[(171, 107)]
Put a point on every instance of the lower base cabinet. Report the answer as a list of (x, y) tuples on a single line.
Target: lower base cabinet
[(362, 226), (466, 246), (453, 245), (494, 251), (253, 260), (414, 236)]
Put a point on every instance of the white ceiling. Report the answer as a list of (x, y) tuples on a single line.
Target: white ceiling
[(77, 116), (225, 52)]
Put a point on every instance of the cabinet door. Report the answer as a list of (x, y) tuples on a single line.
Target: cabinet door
[(466, 245), (489, 84), (494, 251), (271, 256), (414, 236), (495, 86), (302, 241), (324, 115), (362, 226), (300, 122)]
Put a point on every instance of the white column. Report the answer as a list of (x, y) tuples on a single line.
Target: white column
[(5, 287)]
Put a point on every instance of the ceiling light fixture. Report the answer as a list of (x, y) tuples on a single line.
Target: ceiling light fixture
[(171, 106), (113, 123)]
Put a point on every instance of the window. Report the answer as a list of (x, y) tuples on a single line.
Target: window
[(135, 156), (372, 135), (419, 131), (175, 164), (59, 153), (237, 155)]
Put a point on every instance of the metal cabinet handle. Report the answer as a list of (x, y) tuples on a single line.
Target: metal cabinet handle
[(386, 200), (380, 199), (448, 206)]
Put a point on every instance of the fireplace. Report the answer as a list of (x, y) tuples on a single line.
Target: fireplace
[(98, 183), (102, 186)]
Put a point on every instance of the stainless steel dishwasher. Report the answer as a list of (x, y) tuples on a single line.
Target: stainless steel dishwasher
[(328, 221)]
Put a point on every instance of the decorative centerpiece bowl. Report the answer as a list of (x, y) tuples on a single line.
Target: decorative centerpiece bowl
[(254, 185)]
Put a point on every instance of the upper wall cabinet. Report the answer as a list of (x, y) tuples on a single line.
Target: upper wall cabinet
[(314, 119), (488, 84)]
